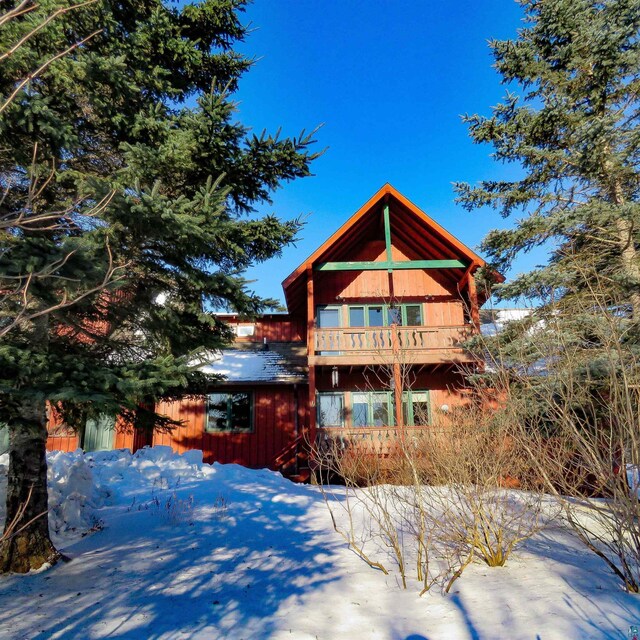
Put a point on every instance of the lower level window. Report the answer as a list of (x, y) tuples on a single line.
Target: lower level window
[(372, 409), (330, 409), (230, 412), (416, 408)]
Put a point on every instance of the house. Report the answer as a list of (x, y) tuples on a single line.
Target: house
[(371, 344)]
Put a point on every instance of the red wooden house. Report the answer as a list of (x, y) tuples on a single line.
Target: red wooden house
[(389, 297)]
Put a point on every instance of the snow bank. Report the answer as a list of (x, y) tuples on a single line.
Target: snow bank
[(74, 494), (82, 483)]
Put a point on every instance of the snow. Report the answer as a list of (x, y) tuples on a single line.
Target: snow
[(182, 549), (238, 365), (501, 318)]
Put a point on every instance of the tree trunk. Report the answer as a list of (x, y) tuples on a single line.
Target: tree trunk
[(630, 261), (27, 546), (629, 255)]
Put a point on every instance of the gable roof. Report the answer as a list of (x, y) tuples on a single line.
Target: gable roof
[(410, 227)]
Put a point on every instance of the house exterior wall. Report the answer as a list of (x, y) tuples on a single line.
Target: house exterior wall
[(278, 417), (63, 438), (421, 264), (272, 328), (446, 387)]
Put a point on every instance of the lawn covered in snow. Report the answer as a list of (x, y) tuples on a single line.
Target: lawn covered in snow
[(181, 549)]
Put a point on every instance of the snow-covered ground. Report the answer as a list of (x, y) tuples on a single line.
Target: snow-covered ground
[(180, 549)]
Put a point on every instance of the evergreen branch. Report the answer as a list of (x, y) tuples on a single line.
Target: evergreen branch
[(24, 7), (44, 66), (39, 27)]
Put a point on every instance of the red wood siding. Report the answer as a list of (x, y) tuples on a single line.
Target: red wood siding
[(274, 427), (127, 438), (61, 437), (444, 305), (275, 328), (446, 386)]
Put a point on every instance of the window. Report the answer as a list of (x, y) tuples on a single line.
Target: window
[(245, 330), (412, 315), (329, 317), (394, 315), (330, 409), (359, 409), (381, 410), (376, 316), (416, 408), (372, 408), (357, 317), (230, 412), (407, 315)]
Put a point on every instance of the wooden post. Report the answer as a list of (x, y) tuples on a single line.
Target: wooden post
[(387, 234), (473, 300), (397, 380), (311, 312)]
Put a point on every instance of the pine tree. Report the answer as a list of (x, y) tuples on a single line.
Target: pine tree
[(572, 369), (129, 202), (574, 134)]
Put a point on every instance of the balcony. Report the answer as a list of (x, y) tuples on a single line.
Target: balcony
[(375, 345), (381, 441)]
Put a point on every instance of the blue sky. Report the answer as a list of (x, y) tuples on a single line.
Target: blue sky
[(389, 81)]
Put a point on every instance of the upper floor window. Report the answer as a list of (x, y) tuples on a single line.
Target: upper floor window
[(229, 412), (370, 315), (329, 316), (376, 315)]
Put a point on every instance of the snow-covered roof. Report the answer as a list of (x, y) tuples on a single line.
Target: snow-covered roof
[(255, 365)]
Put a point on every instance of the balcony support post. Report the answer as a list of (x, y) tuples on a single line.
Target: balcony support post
[(473, 301), (397, 380), (311, 312)]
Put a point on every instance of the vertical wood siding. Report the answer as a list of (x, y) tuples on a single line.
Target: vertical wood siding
[(446, 386), (63, 438), (275, 328), (274, 428), (444, 305), (60, 437)]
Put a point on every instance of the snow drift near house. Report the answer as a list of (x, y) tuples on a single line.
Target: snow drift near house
[(181, 549)]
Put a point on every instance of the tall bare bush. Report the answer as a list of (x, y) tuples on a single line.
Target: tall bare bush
[(439, 498)]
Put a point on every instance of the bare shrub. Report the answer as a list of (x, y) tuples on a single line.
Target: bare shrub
[(476, 460), (590, 404), (570, 380), (439, 500)]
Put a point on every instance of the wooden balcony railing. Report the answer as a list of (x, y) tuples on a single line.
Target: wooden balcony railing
[(368, 440), (345, 341)]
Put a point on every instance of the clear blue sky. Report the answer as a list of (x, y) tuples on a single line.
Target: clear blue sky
[(389, 81)]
